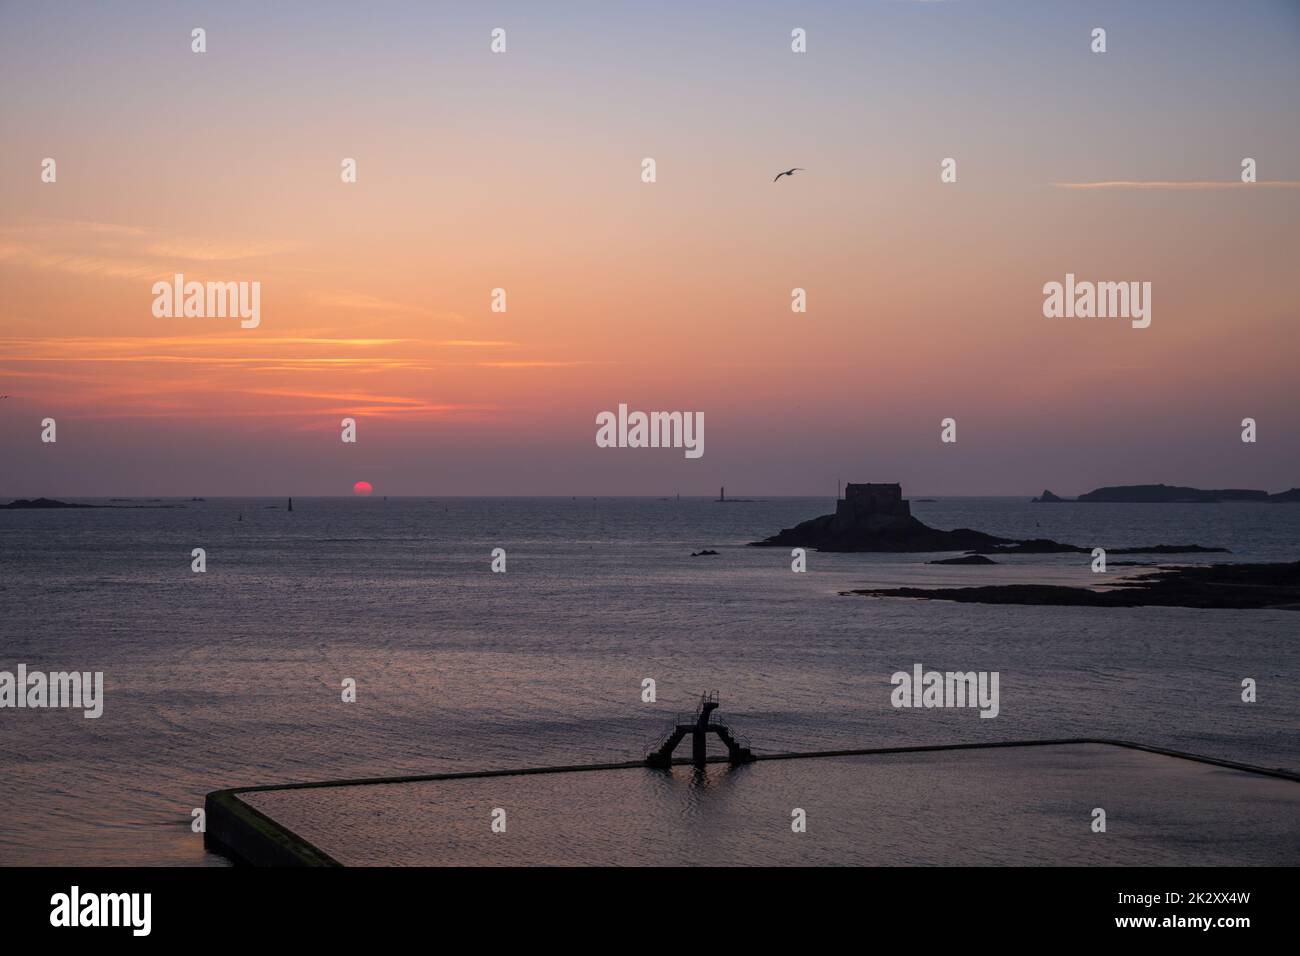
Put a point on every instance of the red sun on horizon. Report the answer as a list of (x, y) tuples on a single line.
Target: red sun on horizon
[(362, 488)]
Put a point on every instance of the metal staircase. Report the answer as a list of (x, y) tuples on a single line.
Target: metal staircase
[(699, 726)]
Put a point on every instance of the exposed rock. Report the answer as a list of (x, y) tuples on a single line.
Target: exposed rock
[(875, 517), (1239, 586), (966, 559), (701, 554), (1047, 546), (1046, 498), (1169, 549)]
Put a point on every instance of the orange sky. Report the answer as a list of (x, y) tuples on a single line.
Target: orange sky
[(521, 171)]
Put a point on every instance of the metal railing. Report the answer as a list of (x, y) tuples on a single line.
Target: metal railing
[(657, 741)]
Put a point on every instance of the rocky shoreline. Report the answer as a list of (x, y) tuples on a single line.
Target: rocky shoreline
[(876, 518), (1233, 586)]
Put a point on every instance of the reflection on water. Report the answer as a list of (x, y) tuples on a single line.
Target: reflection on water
[(232, 678), (965, 808)]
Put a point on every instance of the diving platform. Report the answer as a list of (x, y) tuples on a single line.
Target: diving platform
[(699, 727)]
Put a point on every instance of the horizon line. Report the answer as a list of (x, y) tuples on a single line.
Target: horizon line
[(742, 497)]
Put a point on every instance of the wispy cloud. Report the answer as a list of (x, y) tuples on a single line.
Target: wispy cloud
[(529, 363), (199, 251), (1183, 184), (176, 376), (355, 400), (354, 302), (107, 266), (115, 251)]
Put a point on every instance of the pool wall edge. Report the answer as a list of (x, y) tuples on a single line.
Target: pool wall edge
[(246, 836)]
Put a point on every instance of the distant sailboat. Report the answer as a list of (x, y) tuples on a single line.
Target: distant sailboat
[(290, 504)]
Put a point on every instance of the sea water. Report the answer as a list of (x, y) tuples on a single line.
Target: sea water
[(234, 676)]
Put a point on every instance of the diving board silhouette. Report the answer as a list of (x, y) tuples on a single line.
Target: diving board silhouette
[(699, 728)]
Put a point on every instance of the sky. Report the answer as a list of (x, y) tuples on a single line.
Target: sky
[(522, 171)]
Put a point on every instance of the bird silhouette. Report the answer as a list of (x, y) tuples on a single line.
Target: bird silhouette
[(788, 172)]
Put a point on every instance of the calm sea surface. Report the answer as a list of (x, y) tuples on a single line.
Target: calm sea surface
[(232, 677), (1028, 806)]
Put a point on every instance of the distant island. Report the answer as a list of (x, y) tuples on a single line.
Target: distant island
[(41, 504), (1172, 494), (875, 517), (22, 503)]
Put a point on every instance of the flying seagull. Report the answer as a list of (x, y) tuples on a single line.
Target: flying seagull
[(789, 172)]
